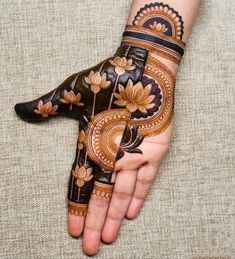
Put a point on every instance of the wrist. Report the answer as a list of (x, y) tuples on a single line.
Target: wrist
[(168, 47)]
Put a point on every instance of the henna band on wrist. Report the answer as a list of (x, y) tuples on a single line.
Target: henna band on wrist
[(77, 209), (103, 190), (163, 45)]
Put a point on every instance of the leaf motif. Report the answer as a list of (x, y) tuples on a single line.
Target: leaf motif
[(138, 151), (126, 135)]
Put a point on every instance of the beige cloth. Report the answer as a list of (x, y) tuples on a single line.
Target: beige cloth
[(189, 213)]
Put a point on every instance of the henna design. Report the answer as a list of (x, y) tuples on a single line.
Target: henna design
[(46, 109), (77, 209), (161, 18), (71, 98), (135, 97), (103, 190), (159, 43), (128, 96), (130, 142), (82, 175), (157, 28)]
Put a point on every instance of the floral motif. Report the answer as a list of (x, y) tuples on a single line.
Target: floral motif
[(81, 139), (135, 97), (163, 14), (122, 64), (46, 109), (72, 98), (130, 142), (82, 175), (97, 81), (158, 27)]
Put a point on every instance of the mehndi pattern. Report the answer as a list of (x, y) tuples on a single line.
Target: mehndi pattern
[(118, 102)]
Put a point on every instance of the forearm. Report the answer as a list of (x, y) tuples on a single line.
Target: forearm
[(187, 9), (169, 21)]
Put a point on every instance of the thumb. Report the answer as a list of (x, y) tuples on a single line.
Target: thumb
[(59, 101)]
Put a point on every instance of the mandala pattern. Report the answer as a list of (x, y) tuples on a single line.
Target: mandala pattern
[(161, 18)]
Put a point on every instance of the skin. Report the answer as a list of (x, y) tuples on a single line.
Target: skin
[(134, 174)]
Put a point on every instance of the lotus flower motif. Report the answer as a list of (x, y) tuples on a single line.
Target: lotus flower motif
[(122, 64), (135, 97), (97, 81), (158, 27), (46, 109), (72, 98), (82, 175), (81, 139)]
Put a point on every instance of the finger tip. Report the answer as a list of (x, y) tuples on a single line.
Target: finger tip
[(133, 210), (131, 215), (91, 242), (110, 231), (89, 251), (75, 225), (108, 238), (90, 248)]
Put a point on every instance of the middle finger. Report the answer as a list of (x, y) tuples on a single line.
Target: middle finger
[(121, 198)]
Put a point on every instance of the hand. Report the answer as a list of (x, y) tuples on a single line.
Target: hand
[(124, 106), (139, 157)]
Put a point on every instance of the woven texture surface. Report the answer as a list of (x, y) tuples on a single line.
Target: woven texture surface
[(189, 212)]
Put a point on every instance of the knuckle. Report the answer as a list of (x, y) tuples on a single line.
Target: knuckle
[(121, 195), (144, 181)]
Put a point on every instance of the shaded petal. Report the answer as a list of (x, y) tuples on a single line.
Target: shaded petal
[(150, 106), (147, 90), (136, 91), (54, 109), (87, 80), (121, 102), (119, 70), (88, 178), (118, 96), (37, 111), (80, 182), (149, 99), (82, 136), (139, 97), (78, 97), (40, 104), (80, 146), (64, 101), (130, 68), (106, 84), (142, 109), (89, 170), (132, 107), (81, 173), (112, 63), (121, 88), (129, 62), (95, 88)]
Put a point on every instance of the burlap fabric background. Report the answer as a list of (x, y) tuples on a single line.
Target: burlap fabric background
[(189, 213)]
